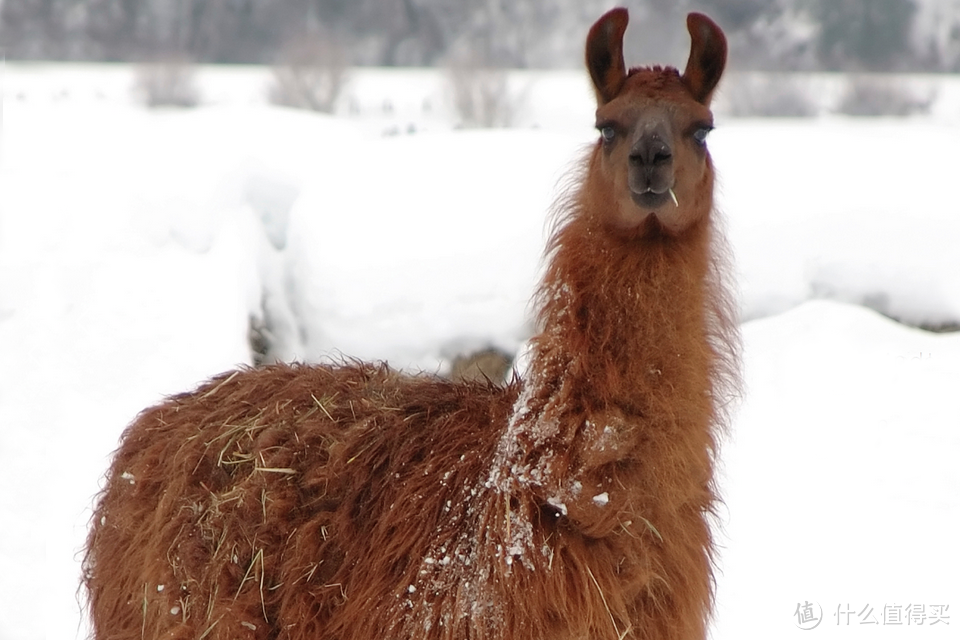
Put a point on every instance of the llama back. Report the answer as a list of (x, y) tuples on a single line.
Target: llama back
[(328, 481)]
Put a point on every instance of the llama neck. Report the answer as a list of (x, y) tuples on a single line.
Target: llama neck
[(627, 337), (624, 322)]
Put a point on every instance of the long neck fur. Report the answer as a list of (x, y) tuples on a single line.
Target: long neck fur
[(629, 372)]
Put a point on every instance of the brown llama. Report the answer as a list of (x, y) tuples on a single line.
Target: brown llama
[(297, 502)]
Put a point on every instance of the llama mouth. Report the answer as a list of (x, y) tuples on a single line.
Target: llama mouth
[(651, 200)]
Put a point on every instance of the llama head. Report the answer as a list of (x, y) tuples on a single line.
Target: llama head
[(651, 161)]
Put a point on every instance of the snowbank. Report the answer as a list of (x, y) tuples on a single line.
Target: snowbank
[(849, 210), (415, 249), (840, 477)]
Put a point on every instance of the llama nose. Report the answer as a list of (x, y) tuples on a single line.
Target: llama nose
[(651, 151)]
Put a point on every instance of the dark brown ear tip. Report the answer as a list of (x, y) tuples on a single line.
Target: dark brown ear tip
[(701, 25), (620, 14), (695, 16), (615, 21)]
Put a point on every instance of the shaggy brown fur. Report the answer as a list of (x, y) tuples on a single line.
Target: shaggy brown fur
[(315, 502)]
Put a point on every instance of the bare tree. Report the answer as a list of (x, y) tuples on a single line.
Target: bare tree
[(311, 73), (167, 82)]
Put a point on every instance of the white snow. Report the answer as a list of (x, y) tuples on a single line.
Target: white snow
[(851, 210), (840, 477), (135, 245), (601, 499)]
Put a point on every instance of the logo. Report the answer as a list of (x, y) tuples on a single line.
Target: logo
[(807, 615)]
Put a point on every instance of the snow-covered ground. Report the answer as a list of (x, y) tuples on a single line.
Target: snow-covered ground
[(135, 246)]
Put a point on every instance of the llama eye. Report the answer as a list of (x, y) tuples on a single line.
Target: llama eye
[(608, 133), (701, 133)]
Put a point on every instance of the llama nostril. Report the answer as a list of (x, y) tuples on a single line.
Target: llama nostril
[(651, 151)]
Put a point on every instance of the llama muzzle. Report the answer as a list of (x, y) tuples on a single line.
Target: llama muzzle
[(650, 169)]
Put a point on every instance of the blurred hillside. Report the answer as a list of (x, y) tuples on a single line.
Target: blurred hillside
[(843, 35)]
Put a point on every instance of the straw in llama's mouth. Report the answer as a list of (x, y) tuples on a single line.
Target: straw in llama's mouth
[(652, 200)]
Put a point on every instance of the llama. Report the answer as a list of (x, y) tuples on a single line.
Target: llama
[(297, 502)]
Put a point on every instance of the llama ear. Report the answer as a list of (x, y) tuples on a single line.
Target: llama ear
[(708, 56), (605, 54)]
